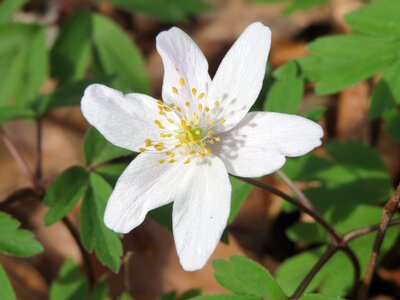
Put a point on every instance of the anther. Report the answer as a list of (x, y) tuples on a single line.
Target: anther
[(200, 107), (158, 123), (187, 104), (142, 149), (161, 161), (175, 90), (194, 91), (201, 96), (216, 103), (147, 142), (182, 81)]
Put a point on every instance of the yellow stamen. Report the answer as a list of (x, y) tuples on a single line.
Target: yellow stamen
[(148, 142), (187, 161), (142, 149), (158, 123), (207, 109), (182, 81), (175, 90), (216, 103), (161, 161), (187, 104), (194, 91), (200, 107), (222, 121), (210, 133), (171, 161), (201, 95)]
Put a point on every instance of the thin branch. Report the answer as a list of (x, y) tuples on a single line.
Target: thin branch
[(39, 149), (330, 251), (17, 156), (336, 238), (356, 266), (366, 230), (388, 211), (299, 194), (85, 255), (17, 195)]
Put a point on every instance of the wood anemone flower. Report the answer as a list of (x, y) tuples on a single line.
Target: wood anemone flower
[(190, 141)]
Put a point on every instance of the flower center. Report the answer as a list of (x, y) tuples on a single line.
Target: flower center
[(188, 134)]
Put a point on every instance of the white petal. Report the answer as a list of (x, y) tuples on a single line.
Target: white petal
[(124, 120), (144, 185), (200, 212), (239, 78), (259, 143), (182, 58)]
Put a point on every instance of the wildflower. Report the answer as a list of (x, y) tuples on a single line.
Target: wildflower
[(191, 140)]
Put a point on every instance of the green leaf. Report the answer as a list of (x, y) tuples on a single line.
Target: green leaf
[(378, 17), (315, 114), (337, 62), (23, 57), (10, 113), (71, 284), (297, 5), (243, 276), (94, 234), (64, 193), (97, 149), (125, 296), (115, 54), (240, 192), (162, 215), (392, 124), (352, 173), (111, 173), (71, 52), (189, 294), (336, 277), (386, 93), (170, 11), (285, 95), (6, 289), (8, 8), (227, 297), (100, 291), (319, 297), (15, 241)]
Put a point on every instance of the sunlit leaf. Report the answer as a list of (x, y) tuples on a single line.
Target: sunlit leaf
[(8, 8), (243, 276)]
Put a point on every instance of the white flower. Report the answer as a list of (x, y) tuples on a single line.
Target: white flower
[(190, 142)]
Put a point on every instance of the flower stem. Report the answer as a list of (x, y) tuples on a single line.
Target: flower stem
[(299, 194), (336, 238), (85, 255), (388, 211), (17, 156), (330, 251)]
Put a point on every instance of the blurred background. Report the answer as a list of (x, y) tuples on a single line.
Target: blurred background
[(151, 267)]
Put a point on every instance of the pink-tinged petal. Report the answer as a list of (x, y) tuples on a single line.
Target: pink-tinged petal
[(259, 143), (185, 68), (201, 211), (124, 120), (239, 78), (143, 186)]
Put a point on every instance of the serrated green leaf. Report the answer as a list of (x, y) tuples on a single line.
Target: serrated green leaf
[(240, 192), (116, 55), (285, 95), (71, 52), (337, 62), (170, 11), (378, 17), (6, 289), (97, 149), (10, 113), (392, 124), (8, 8), (70, 284), (243, 276), (64, 193), (94, 234), (23, 57), (386, 94), (15, 241)]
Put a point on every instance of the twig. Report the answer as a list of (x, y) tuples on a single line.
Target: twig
[(356, 266), (388, 211), (39, 149), (366, 230), (299, 194), (330, 251), (17, 195), (336, 238), (85, 255), (17, 156)]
